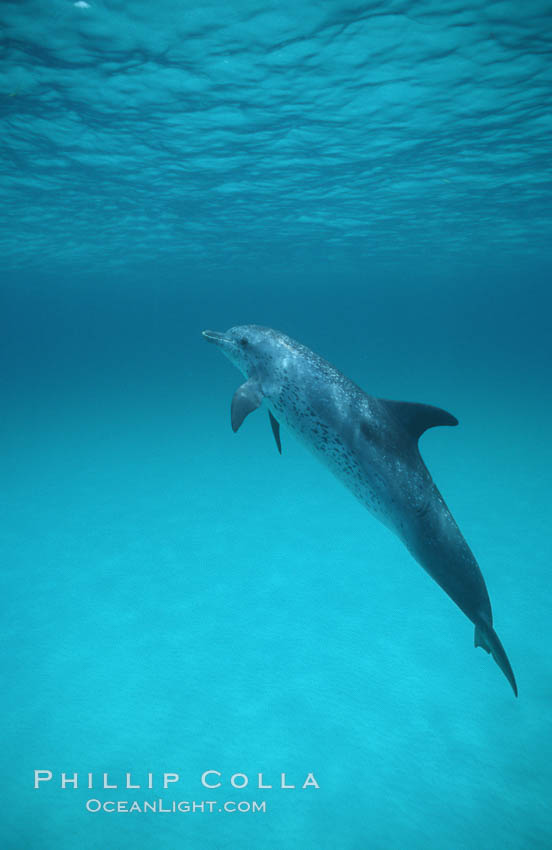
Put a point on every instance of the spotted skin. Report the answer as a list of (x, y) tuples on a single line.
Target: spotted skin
[(369, 445)]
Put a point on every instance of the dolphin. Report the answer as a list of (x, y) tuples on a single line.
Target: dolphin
[(371, 444)]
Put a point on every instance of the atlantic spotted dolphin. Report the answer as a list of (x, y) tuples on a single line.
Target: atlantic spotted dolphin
[(371, 444)]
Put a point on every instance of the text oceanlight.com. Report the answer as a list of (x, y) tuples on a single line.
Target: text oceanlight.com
[(175, 806)]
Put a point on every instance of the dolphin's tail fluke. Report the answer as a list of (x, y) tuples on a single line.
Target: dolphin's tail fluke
[(487, 638)]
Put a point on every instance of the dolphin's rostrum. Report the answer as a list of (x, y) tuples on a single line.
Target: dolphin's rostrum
[(371, 444)]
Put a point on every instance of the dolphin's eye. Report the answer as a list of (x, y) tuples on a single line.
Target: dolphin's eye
[(244, 341)]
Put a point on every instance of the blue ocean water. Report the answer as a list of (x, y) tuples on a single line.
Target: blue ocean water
[(373, 179)]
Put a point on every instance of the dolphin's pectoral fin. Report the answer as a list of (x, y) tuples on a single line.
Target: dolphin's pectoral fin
[(276, 430), (417, 418), (486, 637), (246, 399)]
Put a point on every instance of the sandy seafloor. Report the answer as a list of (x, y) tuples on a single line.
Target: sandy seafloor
[(178, 598)]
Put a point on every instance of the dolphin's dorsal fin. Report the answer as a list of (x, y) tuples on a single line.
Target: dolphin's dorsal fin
[(275, 430), (417, 418), (246, 399)]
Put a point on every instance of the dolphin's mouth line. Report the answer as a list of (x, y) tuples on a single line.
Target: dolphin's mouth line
[(215, 336)]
